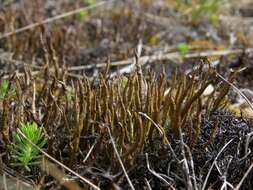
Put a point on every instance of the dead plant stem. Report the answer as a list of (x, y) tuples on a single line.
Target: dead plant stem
[(60, 164), (52, 19), (120, 161), (209, 171)]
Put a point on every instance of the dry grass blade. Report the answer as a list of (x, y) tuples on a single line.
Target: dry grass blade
[(60, 164), (120, 161), (244, 177), (157, 126), (13, 184), (52, 170), (237, 90), (52, 19), (185, 162), (156, 174), (147, 183), (89, 152), (214, 162), (160, 57)]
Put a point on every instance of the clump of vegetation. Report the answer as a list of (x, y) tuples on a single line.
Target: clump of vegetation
[(84, 14), (198, 10), (26, 144), (102, 116), (210, 9), (183, 49)]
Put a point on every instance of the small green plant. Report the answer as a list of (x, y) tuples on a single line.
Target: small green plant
[(23, 149), (92, 2), (124, 82), (197, 10), (4, 88), (83, 14), (183, 49), (208, 8)]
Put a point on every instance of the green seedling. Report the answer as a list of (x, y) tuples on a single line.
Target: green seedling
[(83, 14), (26, 144), (4, 88), (124, 82), (92, 2), (207, 8), (198, 10), (183, 49)]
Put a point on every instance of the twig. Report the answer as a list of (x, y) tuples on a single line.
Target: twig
[(161, 57), (54, 171), (185, 163), (156, 174), (147, 183), (244, 177), (89, 152), (34, 99), (142, 60), (209, 172), (152, 121), (60, 164), (120, 161), (236, 89), (159, 128), (52, 19), (135, 65), (225, 184), (192, 165), (248, 140), (224, 177)]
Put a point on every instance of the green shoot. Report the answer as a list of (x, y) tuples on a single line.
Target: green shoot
[(83, 14), (92, 2), (209, 8), (198, 10), (183, 49), (124, 82), (4, 90), (23, 151)]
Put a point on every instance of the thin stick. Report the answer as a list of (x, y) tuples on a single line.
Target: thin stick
[(209, 172), (89, 152), (52, 19), (143, 59), (237, 90), (152, 121), (54, 171), (248, 140), (156, 174), (159, 128), (147, 183), (244, 177), (192, 165), (59, 163), (185, 162), (120, 161), (160, 57)]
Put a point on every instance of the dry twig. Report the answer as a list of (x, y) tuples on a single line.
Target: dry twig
[(120, 161), (244, 177), (60, 164), (52, 19), (214, 162), (157, 174), (236, 89)]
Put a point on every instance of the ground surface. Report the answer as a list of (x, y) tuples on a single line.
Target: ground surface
[(145, 76)]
